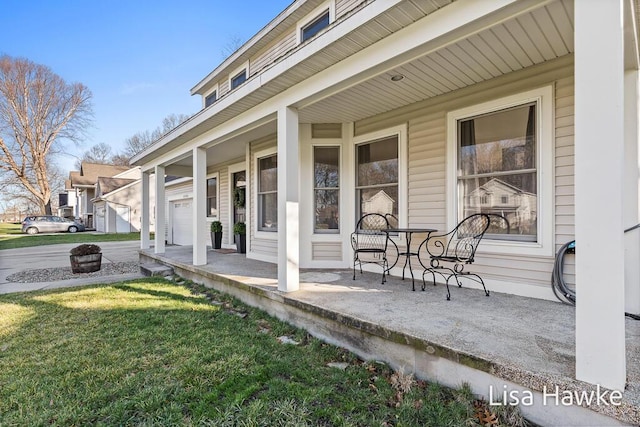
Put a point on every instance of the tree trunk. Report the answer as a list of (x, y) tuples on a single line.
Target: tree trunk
[(47, 208)]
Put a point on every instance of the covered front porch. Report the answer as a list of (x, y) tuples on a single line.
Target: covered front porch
[(492, 343)]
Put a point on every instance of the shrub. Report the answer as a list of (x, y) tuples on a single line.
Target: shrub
[(216, 227), (86, 249), (239, 228)]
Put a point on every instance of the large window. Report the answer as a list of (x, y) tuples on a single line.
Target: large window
[(326, 174), (377, 177), (315, 26), (497, 170), (268, 193), (502, 163), (212, 197)]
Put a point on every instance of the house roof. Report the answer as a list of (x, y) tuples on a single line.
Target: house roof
[(107, 185), (90, 172)]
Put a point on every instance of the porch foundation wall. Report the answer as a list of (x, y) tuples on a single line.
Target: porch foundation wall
[(401, 351)]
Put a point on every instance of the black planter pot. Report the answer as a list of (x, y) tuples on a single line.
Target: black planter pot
[(241, 243), (216, 240), (85, 263)]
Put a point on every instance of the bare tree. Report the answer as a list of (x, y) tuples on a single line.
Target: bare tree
[(99, 153), (233, 43), (38, 111), (141, 140)]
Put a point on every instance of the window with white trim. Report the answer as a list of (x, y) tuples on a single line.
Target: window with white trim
[(326, 175), (315, 26), (377, 173), (211, 98), (501, 159), (238, 79), (212, 197), (268, 193)]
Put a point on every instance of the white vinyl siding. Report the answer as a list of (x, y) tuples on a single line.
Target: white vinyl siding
[(276, 50), (326, 251)]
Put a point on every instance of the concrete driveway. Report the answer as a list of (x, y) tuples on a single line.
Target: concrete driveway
[(52, 256)]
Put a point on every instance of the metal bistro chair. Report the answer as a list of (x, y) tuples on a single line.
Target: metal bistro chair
[(370, 242), (455, 248)]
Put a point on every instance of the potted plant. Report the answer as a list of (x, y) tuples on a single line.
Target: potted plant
[(85, 258), (240, 231), (216, 234)]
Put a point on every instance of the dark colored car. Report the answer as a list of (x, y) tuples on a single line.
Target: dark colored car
[(35, 224)]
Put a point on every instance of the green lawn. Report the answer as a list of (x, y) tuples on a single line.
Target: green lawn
[(12, 237), (150, 352)]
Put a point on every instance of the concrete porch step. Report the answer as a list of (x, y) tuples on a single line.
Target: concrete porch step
[(156, 270)]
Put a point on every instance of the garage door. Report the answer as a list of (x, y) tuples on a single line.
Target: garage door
[(181, 222), (122, 219), (100, 220)]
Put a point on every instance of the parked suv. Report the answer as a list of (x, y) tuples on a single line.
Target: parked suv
[(35, 224)]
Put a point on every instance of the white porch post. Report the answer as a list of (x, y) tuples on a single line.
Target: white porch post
[(161, 218), (288, 201), (199, 230), (144, 213), (631, 194), (599, 166)]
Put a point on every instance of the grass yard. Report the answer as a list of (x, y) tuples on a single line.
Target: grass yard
[(150, 352), (12, 237)]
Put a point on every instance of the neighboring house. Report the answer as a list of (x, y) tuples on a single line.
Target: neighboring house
[(500, 198), (83, 183), (337, 100), (117, 202)]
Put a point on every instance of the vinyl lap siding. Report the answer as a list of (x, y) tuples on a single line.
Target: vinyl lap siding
[(326, 251), (564, 172), (345, 6), (272, 53)]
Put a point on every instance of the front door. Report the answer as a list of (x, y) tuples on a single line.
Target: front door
[(239, 197)]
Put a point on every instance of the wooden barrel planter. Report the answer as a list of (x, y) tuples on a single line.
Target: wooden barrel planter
[(85, 263)]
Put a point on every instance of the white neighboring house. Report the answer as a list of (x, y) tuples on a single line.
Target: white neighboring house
[(82, 185), (117, 204)]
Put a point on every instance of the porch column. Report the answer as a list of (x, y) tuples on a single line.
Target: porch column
[(199, 229), (288, 201), (599, 183), (161, 218), (144, 214)]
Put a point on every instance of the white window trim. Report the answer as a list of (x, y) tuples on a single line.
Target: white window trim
[(403, 185), (331, 5), (234, 73), (544, 98), (334, 236), (215, 175), (214, 89), (268, 235)]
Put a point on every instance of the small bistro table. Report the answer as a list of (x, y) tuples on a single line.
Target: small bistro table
[(408, 233)]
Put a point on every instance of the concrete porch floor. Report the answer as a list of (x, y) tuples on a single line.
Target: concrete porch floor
[(496, 343)]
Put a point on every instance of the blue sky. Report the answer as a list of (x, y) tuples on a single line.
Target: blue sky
[(139, 58)]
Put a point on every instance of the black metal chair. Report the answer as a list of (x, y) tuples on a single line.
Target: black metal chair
[(449, 253), (370, 242)]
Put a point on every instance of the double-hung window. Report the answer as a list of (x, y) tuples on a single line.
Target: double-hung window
[(268, 193), (377, 176), (212, 197), (326, 175), (503, 153)]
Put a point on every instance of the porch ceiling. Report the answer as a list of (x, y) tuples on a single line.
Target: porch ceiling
[(540, 35)]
